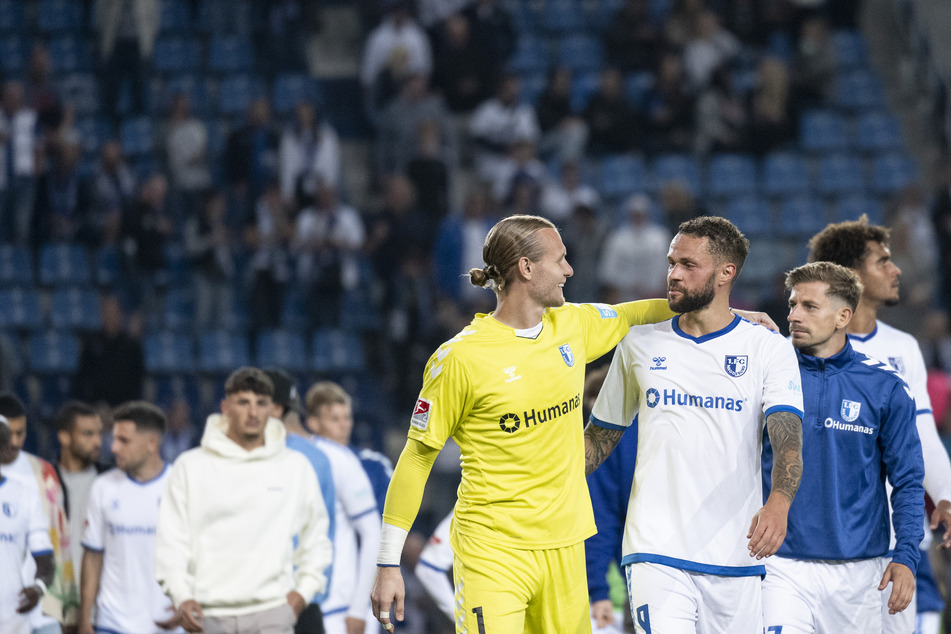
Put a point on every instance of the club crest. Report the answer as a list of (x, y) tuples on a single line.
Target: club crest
[(898, 363), (850, 410), (567, 354), (736, 364), (10, 509)]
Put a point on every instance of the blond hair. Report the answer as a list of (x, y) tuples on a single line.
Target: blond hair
[(507, 242), (844, 284), (325, 393)]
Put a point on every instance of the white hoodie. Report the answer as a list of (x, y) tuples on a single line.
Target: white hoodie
[(228, 519)]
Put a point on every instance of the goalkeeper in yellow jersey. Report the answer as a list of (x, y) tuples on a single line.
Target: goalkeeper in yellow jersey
[(508, 389)]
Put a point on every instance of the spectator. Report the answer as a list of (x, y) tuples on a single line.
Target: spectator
[(181, 434), (670, 108), (521, 167), (914, 251), (585, 233), (79, 431), (683, 24), (712, 48), (632, 41), (610, 121), (814, 66), (399, 125), (127, 30), (639, 244), (267, 233), (224, 555), (395, 49), (186, 156), (111, 366), (564, 133), (208, 244), (721, 117), (771, 121), (309, 155), (464, 70), (146, 229), (459, 248), (285, 45), (941, 221), (251, 157), (115, 188), (17, 162), (678, 204), (560, 198), (41, 96), (64, 199), (429, 171), (492, 29), (498, 122), (327, 238), (399, 230)]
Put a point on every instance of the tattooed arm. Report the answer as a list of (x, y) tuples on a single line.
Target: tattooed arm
[(598, 444), (768, 529)]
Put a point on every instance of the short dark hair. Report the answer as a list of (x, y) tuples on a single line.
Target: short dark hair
[(846, 243), (147, 417), (843, 282), (70, 411), (249, 379), (11, 406), (725, 242)]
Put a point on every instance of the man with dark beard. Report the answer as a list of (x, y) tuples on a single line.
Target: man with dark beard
[(699, 386)]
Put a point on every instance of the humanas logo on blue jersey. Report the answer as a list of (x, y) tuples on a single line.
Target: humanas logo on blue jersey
[(511, 423), (672, 397), (831, 423)]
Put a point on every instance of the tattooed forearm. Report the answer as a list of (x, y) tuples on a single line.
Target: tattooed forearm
[(598, 443), (785, 435)]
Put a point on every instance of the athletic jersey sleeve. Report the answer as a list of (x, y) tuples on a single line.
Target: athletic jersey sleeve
[(405, 492), (38, 539), (901, 453), (605, 325), (92, 537), (434, 563), (937, 463), (619, 397), (355, 491), (782, 385), (444, 401), (645, 311)]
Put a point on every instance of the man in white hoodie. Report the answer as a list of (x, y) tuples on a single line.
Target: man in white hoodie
[(224, 550)]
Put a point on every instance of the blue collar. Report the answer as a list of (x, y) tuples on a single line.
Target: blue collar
[(710, 335), (865, 337), (837, 362)]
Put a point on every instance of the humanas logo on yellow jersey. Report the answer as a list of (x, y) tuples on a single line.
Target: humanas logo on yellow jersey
[(511, 423)]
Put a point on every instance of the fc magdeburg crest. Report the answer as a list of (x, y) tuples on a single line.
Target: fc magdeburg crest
[(736, 364), (850, 410), (567, 354)]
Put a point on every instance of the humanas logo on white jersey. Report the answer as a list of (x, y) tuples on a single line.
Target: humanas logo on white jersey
[(831, 423), (672, 397)]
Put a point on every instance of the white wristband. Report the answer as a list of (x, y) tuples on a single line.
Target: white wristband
[(392, 539), (39, 585)]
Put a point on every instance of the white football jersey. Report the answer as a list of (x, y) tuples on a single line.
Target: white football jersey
[(354, 499), (435, 562), (24, 532), (121, 521), (701, 404)]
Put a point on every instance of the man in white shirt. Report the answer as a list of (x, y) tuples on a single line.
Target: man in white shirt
[(498, 123), (118, 565), (225, 551), (357, 533), (638, 245), (864, 248), (24, 530), (18, 136)]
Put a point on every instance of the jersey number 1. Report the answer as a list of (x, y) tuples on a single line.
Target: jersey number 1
[(479, 621)]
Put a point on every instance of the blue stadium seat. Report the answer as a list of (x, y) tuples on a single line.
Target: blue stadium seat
[(294, 310), (601, 14), (531, 55), (74, 309), (14, 53), (178, 264), (292, 88), (785, 174), (533, 84), (682, 168), (359, 312), (732, 175), (93, 132), (840, 174), (178, 314), (54, 352), (136, 136), (176, 16), (53, 16), (107, 266), (893, 172), (222, 352), (192, 85), (860, 90), (337, 352), (751, 215), (236, 93), (16, 266), (69, 54), (802, 217), (850, 51), (562, 17), (168, 353), (230, 53), (852, 207), (225, 16), (581, 53), (622, 175), (80, 90), (636, 87), (876, 132), (177, 54), (179, 385), (582, 87), (64, 264), (823, 131), (524, 18), (779, 45), (12, 17), (21, 309), (282, 349)]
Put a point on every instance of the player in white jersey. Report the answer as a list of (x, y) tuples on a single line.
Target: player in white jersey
[(700, 386), (864, 249), (24, 530), (357, 532), (118, 568), (435, 565)]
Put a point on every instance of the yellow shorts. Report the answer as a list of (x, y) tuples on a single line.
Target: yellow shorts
[(502, 590)]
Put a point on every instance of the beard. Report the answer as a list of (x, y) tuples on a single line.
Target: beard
[(691, 301)]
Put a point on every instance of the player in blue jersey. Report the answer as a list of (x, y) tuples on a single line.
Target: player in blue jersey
[(858, 428)]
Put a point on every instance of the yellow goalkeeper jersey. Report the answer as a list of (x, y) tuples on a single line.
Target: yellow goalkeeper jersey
[(511, 400)]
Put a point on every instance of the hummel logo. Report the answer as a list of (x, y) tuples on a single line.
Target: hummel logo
[(511, 372), (659, 363)]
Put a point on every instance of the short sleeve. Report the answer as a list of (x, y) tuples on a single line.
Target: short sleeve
[(355, 491), (782, 384), (620, 394), (92, 537), (444, 401)]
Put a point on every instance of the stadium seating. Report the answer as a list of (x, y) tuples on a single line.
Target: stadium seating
[(177, 54), (54, 16), (680, 168), (840, 174), (823, 131), (732, 175), (74, 309), (283, 349), (336, 352), (751, 214), (21, 310), (16, 266), (581, 53), (893, 172), (230, 54), (878, 132), (785, 174), (168, 353), (220, 352), (54, 352), (64, 264), (802, 217), (622, 175)]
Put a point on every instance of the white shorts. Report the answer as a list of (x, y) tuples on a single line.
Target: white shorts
[(904, 621), (928, 623), (819, 597), (667, 600)]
